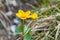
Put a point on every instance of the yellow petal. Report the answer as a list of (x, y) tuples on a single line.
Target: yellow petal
[(27, 13), (17, 15), (23, 18), (29, 16), (34, 16), (20, 11)]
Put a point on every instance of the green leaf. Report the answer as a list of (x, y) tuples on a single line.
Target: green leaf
[(28, 30), (27, 36), (19, 29), (25, 29), (58, 17)]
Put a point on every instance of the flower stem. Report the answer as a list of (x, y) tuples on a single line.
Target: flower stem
[(23, 29)]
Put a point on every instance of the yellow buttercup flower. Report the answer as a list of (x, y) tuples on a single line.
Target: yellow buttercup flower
[(23, 15), (34, 16)]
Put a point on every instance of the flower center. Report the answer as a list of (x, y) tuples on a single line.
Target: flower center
[(23, 16)]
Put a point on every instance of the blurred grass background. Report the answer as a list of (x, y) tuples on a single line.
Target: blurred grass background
[(46, 27)]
